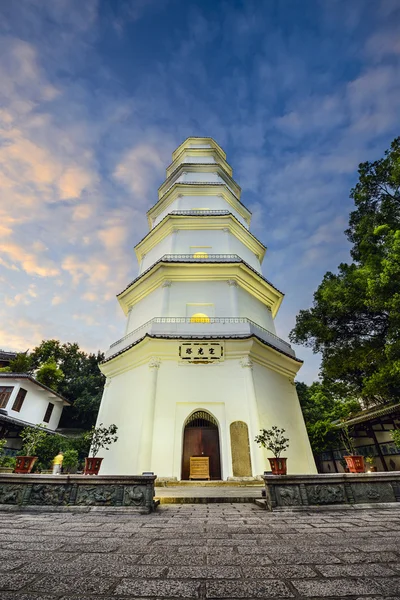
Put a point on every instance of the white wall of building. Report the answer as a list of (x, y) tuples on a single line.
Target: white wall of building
[(221, 389), (35, 404), (278, 405), (189, 241), (218, 296), (199, 203), (253, 309)]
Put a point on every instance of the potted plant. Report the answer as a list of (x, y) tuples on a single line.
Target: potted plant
[(32, 438), (274, 440), (98, 437), (370, 460), (354, 461), (7, 463), (71, 461)]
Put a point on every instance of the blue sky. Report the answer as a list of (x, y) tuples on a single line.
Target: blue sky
[(95, 96)]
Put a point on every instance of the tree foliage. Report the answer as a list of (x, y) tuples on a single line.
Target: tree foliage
[(321, 406), (355, 318)]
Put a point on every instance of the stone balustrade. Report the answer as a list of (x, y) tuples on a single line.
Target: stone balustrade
[(135, 492), (300, 491)]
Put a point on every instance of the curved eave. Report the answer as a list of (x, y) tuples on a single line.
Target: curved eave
[(248, 278), (198, 140), (200, 168), (199, 152), (198, 189), (156, 234), (203, 337)]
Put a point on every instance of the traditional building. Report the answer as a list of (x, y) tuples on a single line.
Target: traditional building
[(200, 368), (24, 401)]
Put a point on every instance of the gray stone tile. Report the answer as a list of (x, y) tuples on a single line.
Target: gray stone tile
[(299, 558), (73, 585), (15, 581), (336, 587), (390, 586), (159, 589), (238, 560), (366, 557), (8, 564), (356, 570), (172, 559), (269, 588), (278, 572), (194, 572)]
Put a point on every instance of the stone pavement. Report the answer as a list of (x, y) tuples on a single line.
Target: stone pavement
[(200, 551)]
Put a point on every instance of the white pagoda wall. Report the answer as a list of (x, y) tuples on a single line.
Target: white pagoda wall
[(199, 202), (222, 390), (186, 240), (173, 301)]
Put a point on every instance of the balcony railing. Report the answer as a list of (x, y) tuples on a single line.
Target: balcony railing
[(214, 326), (200, 212), (201, 256)]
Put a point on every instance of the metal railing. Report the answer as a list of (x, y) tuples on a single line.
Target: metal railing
[(202, 326), (199, 212), (201, 256)]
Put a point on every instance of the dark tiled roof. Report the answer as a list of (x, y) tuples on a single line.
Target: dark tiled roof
[(20, 423), (33, 380), (369, 415)]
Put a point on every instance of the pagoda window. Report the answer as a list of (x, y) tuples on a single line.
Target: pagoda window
[(199, 318)]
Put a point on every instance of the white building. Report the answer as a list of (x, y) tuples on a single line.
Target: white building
[(200, 369), (24, 401)]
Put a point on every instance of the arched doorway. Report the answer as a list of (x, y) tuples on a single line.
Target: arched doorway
[(201, 438)]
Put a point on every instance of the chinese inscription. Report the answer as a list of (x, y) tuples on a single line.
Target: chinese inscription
[(201, 351)]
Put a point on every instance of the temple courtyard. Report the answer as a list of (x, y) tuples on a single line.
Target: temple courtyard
[(200, 551)]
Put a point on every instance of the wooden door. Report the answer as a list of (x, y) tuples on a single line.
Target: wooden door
[(201, 441)]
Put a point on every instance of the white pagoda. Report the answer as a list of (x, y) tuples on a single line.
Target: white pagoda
[(200, 369)]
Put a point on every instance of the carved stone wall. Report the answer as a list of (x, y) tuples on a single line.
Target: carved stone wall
[(336, 488), (78, 490), (240, 449)]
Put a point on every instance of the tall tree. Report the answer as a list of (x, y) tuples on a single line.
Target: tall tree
[(72, 373), (355, 318), (321, 406)]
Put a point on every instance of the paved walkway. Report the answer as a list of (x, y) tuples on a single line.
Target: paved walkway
[(203, 551)]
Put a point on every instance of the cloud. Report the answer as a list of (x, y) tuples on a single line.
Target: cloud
[(137, 169), (28, 261)]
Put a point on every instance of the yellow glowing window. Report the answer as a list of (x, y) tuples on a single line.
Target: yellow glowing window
[(199, 318), (200, 255)]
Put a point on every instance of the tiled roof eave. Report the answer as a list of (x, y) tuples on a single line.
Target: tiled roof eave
[(202, 337), (367, 416), (33, 380), (228, 214), (203, 262)]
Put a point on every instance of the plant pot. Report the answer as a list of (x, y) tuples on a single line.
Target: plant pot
[(92, 466), (373, 469), (6, 469), (25, 464), (355, 463), (278, 466)]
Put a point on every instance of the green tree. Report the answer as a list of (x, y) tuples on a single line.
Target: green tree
[(321, 406), (355, 318), (82, 383), (50, 374)]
